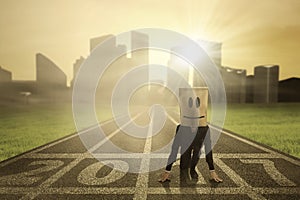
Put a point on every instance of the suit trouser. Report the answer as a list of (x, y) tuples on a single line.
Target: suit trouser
[(190, 161)]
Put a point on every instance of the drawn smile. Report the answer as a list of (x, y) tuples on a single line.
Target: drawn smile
[(194, 117)]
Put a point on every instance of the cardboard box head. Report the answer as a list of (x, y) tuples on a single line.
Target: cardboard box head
[(193, 106)]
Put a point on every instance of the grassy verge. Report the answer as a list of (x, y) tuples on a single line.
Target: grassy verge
[(276, 125), (24, 127)]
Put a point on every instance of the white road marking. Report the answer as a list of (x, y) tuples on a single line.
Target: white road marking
[(100, 143), (46, 184), (237, 179), (142, 179), (201, 180), (2, 164), (271, 170), (223, 190), (31, 176), (152, 155), (230, 173), (289, 159), (153, 190), (88, 176)]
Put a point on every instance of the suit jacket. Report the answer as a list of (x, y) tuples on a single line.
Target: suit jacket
[(185, 138)]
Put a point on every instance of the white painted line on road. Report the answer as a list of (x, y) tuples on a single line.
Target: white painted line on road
[(152, 155), (271, 170), (53, 144), (69, 190), (16, 190), (142, 179), (74, 135), (153, 190), (222, 190), (230, 173), (245, 155), (237, 179), (91, 190), (100, 143), (46, 184), (289, 159), (277, 190), (201, 180)]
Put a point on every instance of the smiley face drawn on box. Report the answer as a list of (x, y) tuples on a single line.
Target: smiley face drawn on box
[(193, 106)]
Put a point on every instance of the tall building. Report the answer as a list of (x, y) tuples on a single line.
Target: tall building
[(49, 74), (5, 76), (249, 88), (235, 84), (121, 65), (266, 84), (76, 67), (94, 42), (178, 65), (288, 90), (140, 40)]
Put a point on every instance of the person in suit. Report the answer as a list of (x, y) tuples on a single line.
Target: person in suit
[(190, 135)]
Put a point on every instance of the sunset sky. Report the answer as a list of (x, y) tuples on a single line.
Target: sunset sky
[(253, 32)]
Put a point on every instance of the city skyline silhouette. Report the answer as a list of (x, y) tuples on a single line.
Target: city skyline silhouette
[(252, 33), (51, 82)]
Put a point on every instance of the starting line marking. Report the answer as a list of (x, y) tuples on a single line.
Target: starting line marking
[(152, 155), (152, 190)]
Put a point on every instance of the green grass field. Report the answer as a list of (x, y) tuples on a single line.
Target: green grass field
[(24, 127), (276, 125)]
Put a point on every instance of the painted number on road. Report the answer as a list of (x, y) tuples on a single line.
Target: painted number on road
[(32, 176), (271, 170), (88, 176)]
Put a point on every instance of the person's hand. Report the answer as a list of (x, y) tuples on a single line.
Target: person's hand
[(165, 177), (214, 176)]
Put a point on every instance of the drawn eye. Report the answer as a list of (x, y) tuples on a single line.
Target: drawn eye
[(190, 102), (197, 102)]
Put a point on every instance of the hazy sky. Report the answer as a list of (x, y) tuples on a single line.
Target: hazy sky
[(253, 32)]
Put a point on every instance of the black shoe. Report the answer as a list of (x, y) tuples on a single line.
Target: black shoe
[(194, 174)]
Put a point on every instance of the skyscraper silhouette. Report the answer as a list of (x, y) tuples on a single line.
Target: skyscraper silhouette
[(266, 84)]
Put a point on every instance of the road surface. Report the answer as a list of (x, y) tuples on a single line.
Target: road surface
[(64, 169)]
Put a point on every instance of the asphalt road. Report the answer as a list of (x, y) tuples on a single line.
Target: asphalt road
[(64, 169)]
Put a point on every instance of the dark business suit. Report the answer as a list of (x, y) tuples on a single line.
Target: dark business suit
[(189, 141)]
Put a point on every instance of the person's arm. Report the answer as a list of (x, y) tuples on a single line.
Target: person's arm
[(172, 158), (209, 158), (174, 151), (208, 151)]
